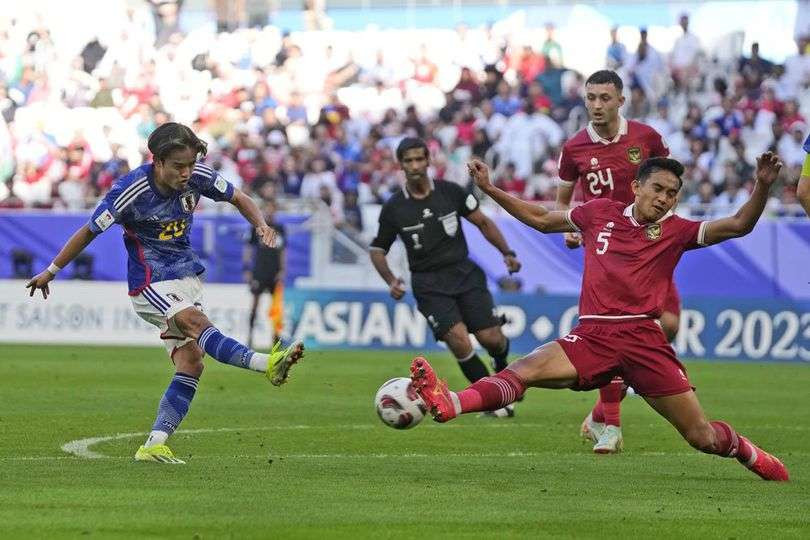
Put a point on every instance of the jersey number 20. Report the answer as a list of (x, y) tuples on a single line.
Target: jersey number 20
[(173, 229)]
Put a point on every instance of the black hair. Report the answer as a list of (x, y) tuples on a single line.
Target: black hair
[(409, 143), (656, 164), (172, 136), (606, 76)]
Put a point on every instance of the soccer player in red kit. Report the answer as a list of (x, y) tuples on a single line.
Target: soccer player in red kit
[(630, 254), (603, 159)]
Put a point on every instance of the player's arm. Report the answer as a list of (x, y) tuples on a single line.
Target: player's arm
[(742, 223), (75, 245), (386, 235), (803, 190), (494, 236), (534, 215), (395, 284), (254, 216)]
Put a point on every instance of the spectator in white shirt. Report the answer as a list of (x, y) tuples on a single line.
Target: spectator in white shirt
[(684, 58), (789, 146), (731, 199)]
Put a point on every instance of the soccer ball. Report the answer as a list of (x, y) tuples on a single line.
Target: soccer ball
[(398, 405)]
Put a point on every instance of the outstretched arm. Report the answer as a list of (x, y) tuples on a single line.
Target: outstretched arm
[(803, 191), (254, 216), (742, 223), (494, 236), (565, 192), (75, 245), (534, 215)]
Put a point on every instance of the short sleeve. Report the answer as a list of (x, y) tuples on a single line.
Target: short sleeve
[(211, 184), (387, 232), (581, 217), (567, 167), (806, 145), (692, 233), (465, 203), (112, 208), (658, 148)]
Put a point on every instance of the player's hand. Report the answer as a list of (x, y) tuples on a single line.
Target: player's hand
[(768, 167), (572, 240), (479, 172), (40, 281), (267, 235), (397, 289), (512, 264)]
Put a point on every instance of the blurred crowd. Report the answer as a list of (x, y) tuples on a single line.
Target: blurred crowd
[(317, 115)]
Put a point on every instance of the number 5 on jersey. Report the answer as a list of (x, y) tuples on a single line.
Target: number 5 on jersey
[(602, 242)]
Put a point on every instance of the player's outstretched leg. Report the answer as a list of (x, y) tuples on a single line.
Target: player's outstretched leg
[(685, 413), (276, 365), (486, 394)]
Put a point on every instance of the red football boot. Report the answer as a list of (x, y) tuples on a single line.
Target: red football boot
[(765, 465), (434, 391)]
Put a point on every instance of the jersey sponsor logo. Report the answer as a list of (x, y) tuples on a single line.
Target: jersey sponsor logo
[(471, 202), (634, 155), (450, 223), (174, 297), (220, 184), (104, 220), (426, 213), (653, 231), (188, 201)]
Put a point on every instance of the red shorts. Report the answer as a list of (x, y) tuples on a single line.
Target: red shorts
[(672, 303), (635, 350)]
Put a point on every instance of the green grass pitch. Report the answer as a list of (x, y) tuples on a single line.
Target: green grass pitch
[(311, 459)]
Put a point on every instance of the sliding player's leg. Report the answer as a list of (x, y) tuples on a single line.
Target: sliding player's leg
[(716, 437)]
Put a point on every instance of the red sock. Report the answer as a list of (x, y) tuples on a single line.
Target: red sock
[(491, 393), (598, 411), (730, 444), (611, 396)]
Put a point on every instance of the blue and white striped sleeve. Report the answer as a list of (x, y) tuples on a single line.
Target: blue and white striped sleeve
[(211, 184), (113, 206)]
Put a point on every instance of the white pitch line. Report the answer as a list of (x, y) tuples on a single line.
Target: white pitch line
[(81, 447)]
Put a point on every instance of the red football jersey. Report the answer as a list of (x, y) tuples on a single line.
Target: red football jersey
[(628, 266), (605, 168)]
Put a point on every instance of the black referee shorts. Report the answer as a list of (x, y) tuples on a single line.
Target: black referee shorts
[(263, 282), (453, 294)]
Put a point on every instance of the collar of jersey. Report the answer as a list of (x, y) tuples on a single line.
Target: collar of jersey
[(628, 212), (595, 137), (408, 195)]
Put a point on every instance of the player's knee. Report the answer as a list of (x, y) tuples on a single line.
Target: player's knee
[(191, 322), (491, 339), (701, 437)]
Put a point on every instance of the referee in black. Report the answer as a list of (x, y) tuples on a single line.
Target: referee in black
[(266, 274), (450, 290)]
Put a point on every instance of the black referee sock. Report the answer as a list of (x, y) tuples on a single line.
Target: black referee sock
[(499, 362), (473, 368)]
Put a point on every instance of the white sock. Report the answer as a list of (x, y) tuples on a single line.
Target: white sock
[(258, 362), (456, 402), (155, 438)]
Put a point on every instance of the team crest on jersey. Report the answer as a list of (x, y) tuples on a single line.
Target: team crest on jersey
[(634, 155), (653, 231), (426, 213), (594, 163), (188, 201)]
